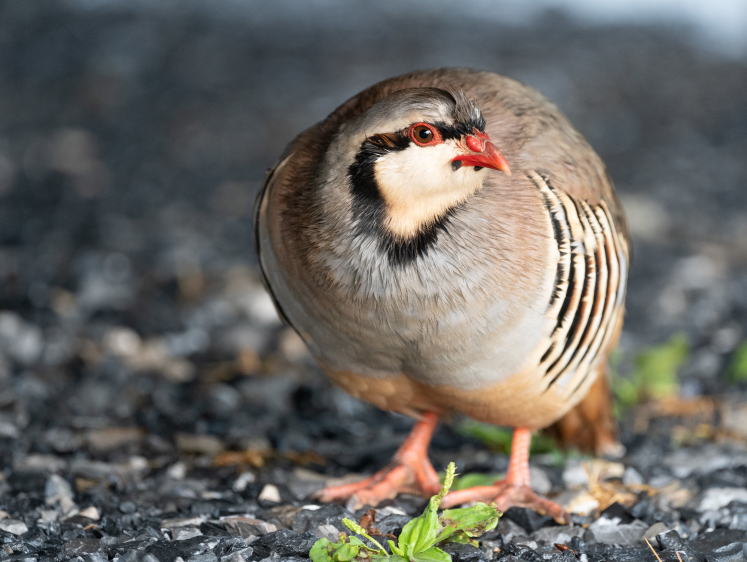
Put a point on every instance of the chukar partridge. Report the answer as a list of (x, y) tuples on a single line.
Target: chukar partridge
[(447, 241)]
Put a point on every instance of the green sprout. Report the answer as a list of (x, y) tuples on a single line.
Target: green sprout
[(475, 479), (420, 537), (654, 375), (499, 438), (737, 370)]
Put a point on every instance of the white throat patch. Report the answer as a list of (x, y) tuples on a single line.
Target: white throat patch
[(419, 185)]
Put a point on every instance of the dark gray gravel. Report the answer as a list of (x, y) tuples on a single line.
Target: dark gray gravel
[(153, 408)]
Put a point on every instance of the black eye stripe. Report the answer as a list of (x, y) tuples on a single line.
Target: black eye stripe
[(458, 130)]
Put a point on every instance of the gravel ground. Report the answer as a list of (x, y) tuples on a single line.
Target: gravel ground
[(153, 408)]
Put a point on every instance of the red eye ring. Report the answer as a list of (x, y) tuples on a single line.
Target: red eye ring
[(424, 134)]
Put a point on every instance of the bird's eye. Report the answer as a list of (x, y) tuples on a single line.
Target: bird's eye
[(423, 134)]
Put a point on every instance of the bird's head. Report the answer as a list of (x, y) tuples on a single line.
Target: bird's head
[(417, 154)]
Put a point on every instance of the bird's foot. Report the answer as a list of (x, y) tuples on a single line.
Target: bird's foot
[(410, 471), (507, 494), (385, 484)]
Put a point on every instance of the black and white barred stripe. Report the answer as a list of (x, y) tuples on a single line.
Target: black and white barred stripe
[(589, 290)]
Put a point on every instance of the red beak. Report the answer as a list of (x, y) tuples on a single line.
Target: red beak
[(484, 154)]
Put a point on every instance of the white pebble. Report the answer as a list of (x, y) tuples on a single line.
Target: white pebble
[(270, 493), (184, 533), (632, 476), (328, 532), (14, 526), (575, 475), (244, 479), (716, 498), (539, 479), (91, 513), (177, 471)]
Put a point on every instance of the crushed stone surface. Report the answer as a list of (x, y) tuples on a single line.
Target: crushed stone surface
[(152, 406)]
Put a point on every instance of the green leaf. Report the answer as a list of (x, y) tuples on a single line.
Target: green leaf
[(654, 374), (496, 438), (656, 368), (420, 533), (461, 539), (459, 525), (353, 526), (737, 370), (499, 438), (322, 550), (418, 538), (395, 548), (626, 393), (432, 554), (346, 552), (543, 444), (475, 479)]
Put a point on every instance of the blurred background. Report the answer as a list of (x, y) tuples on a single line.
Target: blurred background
[(134, 136)]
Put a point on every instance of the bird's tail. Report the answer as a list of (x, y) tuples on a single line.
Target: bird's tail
[(590, 426)]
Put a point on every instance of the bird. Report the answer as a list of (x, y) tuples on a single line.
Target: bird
[(445, 241)]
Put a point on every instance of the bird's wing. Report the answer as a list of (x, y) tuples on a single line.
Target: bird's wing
[(589, 290), (271, 178)]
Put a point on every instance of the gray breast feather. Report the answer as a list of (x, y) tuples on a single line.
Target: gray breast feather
[(452, 316)]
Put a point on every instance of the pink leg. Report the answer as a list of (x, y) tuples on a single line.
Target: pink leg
[(410, 471), (514, 490)]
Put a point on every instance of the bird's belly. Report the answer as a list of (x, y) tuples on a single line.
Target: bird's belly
[(519, 401), (472, 346), (435, 325)]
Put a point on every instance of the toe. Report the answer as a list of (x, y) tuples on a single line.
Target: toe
[(504, 496), (485, 494), (383, 485), (524, 496)]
